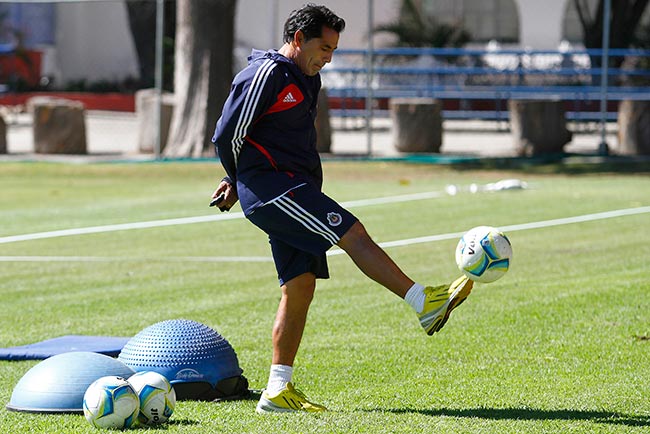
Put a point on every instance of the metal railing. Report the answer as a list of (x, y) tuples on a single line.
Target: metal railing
[(476, 84)]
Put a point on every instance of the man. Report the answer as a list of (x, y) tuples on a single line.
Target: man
[(266, 141)]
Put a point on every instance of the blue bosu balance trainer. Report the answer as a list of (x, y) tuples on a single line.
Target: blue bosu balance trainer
[(197, 361), (58, 384)]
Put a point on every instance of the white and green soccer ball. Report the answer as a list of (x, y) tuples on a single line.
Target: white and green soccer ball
[(157, 397), (483, 254), (110, 402)]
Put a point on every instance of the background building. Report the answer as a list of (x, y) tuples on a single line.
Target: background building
[(78, 41), (91, 41)]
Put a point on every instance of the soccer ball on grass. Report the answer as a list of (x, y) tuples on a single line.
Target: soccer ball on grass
[(110, 402), (157, 397), (483, 254)]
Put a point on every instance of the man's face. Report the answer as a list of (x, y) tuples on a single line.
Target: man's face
[(315, 53)]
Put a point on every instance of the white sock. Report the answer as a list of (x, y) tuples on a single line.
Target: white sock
[(415, 297), (279, 376)]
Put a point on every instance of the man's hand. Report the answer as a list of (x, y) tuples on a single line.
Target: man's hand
[(224, 197)]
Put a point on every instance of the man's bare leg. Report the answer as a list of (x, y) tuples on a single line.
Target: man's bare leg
[(373, 261), (280, 396), (291, 317), (432, 304)]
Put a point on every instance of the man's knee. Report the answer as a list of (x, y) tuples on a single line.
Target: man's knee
[(302, 286), (356, 232), (356, 236)]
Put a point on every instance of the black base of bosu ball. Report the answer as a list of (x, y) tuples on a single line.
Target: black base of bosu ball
[(228, 389), (197, 361)]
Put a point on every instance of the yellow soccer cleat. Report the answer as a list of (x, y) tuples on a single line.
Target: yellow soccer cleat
[(440, 301), (288, 400)]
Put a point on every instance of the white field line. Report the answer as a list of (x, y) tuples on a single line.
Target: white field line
[(405, 242), (199, 219), (513, 228), (135, 259), (119, 227)]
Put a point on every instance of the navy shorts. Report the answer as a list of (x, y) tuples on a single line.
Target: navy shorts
[(302, 225)]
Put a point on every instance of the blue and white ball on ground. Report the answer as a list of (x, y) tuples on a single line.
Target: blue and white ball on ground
[(110, 402), (483, 254), (157, 397)]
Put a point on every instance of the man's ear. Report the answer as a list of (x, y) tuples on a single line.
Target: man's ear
[(299, 38)]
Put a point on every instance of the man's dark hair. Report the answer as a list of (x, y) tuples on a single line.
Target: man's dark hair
[(310, 19)]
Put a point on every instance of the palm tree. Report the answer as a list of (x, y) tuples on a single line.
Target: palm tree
[(415, 29), (625, 16)]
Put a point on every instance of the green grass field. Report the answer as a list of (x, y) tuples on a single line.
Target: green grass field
[(561, 344)]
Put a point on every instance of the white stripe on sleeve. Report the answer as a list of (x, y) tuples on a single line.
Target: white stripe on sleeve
[(250, 103)]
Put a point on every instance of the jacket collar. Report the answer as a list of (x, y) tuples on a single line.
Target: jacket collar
[(307, 82)]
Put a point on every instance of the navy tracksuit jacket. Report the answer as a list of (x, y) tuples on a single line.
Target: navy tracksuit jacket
[(265, 137)]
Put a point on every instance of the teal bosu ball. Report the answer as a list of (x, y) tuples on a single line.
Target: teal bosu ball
[(197, 361), (58, 384)]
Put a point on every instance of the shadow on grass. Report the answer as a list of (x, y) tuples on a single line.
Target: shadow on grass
[(563, 164), (567, 164), (524, 413), (177, 422)]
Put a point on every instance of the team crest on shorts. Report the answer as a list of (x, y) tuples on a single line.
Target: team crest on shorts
[(334, 218)]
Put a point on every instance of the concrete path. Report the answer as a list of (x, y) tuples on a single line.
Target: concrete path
[(114, 136)]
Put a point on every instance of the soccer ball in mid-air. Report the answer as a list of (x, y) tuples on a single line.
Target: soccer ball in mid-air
[(483, 254), (157, 397), (111, 402)]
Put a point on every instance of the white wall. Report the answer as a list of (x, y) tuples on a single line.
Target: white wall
[(540, 23), (93, 41), (259, 24)]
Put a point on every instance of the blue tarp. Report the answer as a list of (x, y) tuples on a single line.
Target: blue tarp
[(110, 346)]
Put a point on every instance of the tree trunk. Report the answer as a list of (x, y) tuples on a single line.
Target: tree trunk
[(538, 127), (3, 135), (146, 104), (634, 127), (142, 23), (202, 74), (59, 126), (323, 126), (417, 124)]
